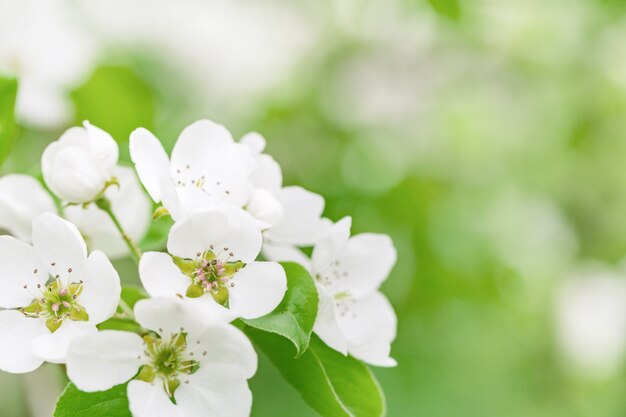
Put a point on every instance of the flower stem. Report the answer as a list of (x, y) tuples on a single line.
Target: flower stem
[(105, 205), (126, 310)]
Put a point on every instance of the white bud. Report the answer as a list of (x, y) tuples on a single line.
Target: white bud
[(78, 166)]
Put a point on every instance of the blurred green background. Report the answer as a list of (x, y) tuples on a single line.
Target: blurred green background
[(487, 137)]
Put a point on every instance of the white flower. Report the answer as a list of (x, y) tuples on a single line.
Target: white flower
[(48, 52), (214, 265), (207, 168), (293, 214), (22, 199), (354, 317), (591, 321), (52, 292), (202, 366), (131, 207), (79, 166)]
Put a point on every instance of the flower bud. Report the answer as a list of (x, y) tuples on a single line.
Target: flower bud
[(79, 166)]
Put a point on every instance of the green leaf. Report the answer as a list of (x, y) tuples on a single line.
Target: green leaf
[(8, 128), (118, 101), (75, 403), (448, 8), (332, 384), (295, 315), (156, 238)]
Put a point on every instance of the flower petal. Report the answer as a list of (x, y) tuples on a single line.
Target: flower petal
[(150, 400), (267, 174), (53, 347), (224, 344), (159, 275), (330, 245), (286, 253), (363, 264), (151, 161), (258, 289), (59, 244), (100, 361), (370, 325), (326, 324), (302, 224), (198, 140), (167, 315), (265, 207), (19, 266), (102, 145), (22, 198), (228, 229), (17, 333), (254, 141), (216, 391), (101, 289)]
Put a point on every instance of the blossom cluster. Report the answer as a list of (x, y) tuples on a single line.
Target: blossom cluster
[(233, 222)]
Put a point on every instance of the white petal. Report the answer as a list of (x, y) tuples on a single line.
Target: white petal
[(187, 200), (101, 289), (302, 223), (53, 346), (22, 198), (254, 141), (229, 230), (151, 161), (330, 245), (198, 140), (100, 361), (326, 324), (167, 315), (286, 253), (19, 266), (17, 333), (216, 391), (159, 275), (265, 207), (363, 264), (258, 289), (150, 400), (59, 244), (370, 325), (267, 174), (209, 310), (224, 344), (102, 145)]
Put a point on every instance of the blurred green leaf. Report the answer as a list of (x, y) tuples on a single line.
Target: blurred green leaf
[(8, 128), (75, 403), (118, 101), (332, 384), (447, 8), (295, 315)]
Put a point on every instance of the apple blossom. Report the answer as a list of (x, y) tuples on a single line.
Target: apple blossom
[(79, 166), (188, 366), (52, 292), (206, 168), (354, 317), (212, 262)]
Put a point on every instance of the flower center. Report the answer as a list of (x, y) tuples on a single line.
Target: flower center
[(57, 303), (210, 274), (168, 360)]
